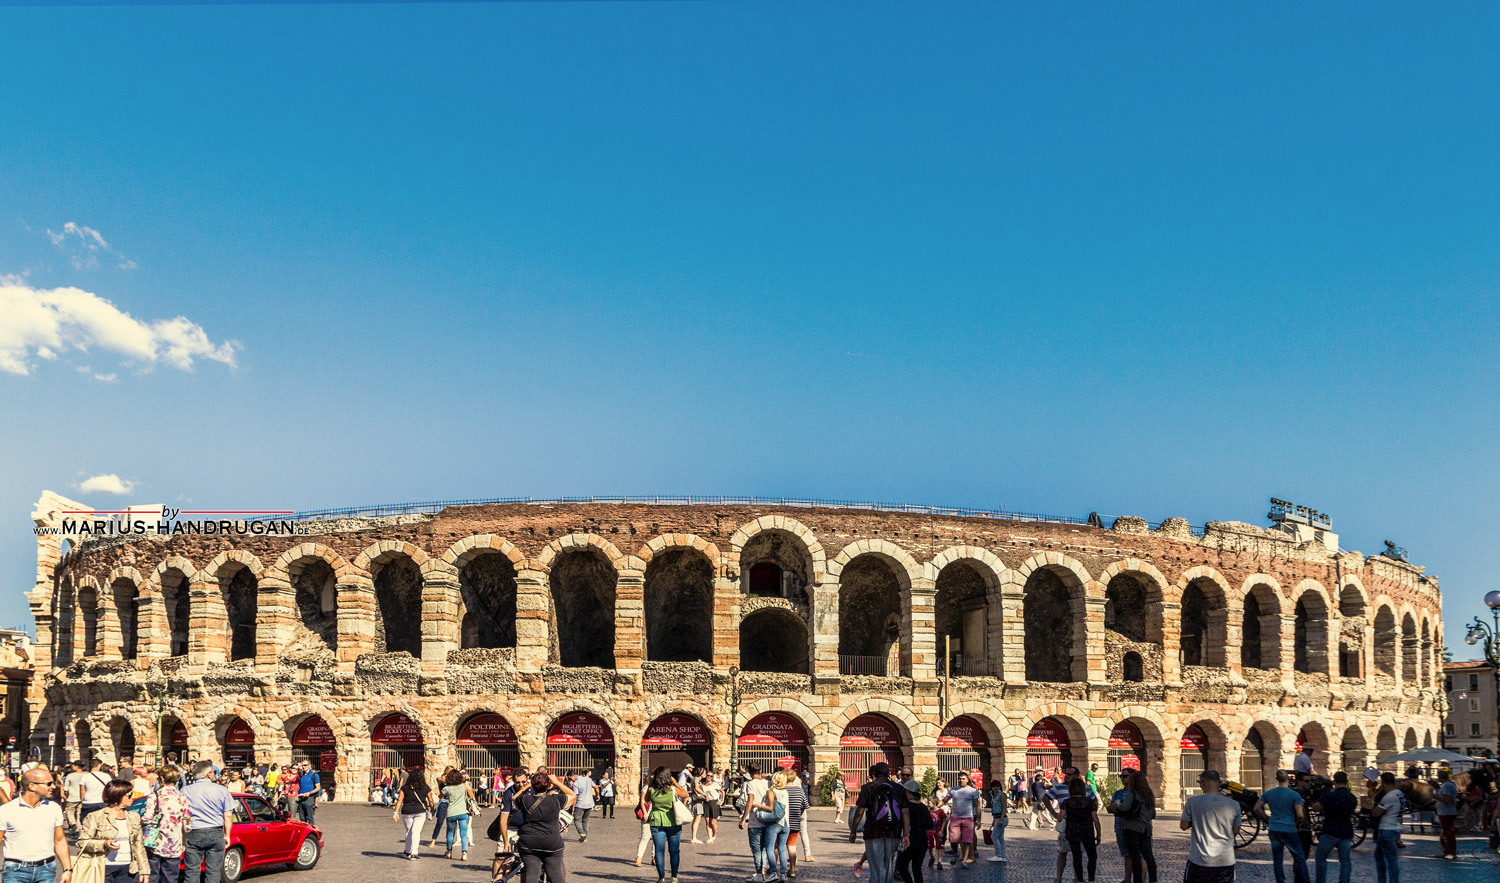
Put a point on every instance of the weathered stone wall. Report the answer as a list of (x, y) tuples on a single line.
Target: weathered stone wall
[(613, 604)]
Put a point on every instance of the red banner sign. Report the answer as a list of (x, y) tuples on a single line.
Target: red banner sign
[(1194, 739), (676, 731), (870, 731), (328, 761), (787, 762), (1049, 733), (397, 729), (486, 729), (773, 728), (580, 728), (178, 738), (239, 733), (312, 733), (963, 732), (1130, 762), (1126, 735)]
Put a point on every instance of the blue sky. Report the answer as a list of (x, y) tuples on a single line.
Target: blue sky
[(1164, 260)]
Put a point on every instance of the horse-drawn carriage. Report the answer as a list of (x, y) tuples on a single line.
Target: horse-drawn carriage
[(1311, 789)]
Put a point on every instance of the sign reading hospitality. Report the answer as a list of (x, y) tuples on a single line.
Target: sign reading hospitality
[(870, 731), (486, 729), (676, 731), (1194, 739), (239, 733), (580, 728), (1048, 735), (773, 728), (312, 733), (397, 729), (963, 732)]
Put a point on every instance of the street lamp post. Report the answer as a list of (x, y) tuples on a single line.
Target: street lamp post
[(1490, 636), (732, 697)]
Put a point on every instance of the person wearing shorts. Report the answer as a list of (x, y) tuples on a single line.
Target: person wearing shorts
[(964, 801)]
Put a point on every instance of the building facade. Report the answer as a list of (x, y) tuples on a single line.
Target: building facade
[(632, 634), (1470, 726)]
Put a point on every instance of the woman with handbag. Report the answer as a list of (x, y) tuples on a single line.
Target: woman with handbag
[(165, 825), (771, 811), (666, 813), (112, 837), (416, 805), (544, 814)]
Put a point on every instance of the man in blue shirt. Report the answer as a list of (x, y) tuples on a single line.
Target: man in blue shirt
[(212, 808), (309, 785), (1286, 816), (585, 789)]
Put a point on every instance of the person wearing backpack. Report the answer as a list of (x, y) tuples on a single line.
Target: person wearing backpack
[(1389, 805), (1134, 808), (909, 860), (882, 805)]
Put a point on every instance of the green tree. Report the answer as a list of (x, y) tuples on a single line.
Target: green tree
[(929, 782), (825, 784)]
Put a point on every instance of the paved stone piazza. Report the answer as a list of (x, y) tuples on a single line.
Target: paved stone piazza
[(363, 843), (604, 632)]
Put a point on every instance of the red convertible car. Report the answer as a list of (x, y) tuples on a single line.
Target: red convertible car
[(263, 835)]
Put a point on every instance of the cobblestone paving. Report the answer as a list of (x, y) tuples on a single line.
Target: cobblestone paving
[(363, 844)]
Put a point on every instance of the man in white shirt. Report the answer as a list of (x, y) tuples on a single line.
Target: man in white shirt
[(755, 792), (32, 841), (1303, 765), (586, 792), (1211, 820), (93, 789), (1389, 804)]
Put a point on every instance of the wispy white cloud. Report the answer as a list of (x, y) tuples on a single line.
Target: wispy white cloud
[(84, 245), (44, 323), (106, 484)]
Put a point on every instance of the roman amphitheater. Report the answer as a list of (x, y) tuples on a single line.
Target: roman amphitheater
[(627, 633)]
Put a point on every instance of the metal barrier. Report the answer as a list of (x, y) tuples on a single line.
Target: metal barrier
[(863, 665)]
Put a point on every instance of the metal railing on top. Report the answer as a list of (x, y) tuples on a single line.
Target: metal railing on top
[(863, 665)]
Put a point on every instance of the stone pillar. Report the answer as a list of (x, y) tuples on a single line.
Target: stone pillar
[(276, 619), (533, 634), (356, 619), (153, 639), (1092, 657), (726, 649), (109, 632), (208, 632), (825, 628), (1171, 647), (440, 625), (1288, 662), (1367, 654), (1234, 639), (1013, 633), (994, 632), (1171, 773), (919, 650), (630, 620)]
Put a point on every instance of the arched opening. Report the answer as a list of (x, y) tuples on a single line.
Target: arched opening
[(778, 565), (122, 734), (1132, 668), (1351, 632), (867, 740), (1310, 635), (239, 593), (1351, 602), (964, 747), (1194, 625), (398, 607), (870, 622), (679, 601), (314, 742), (1385, 641), (175, 741), (1127, 748), (486, 744), (487, 590), (1411, 740), (1385, 746), (1049, 747), (175, 598), (124, 593), (64, 607), (1313, 736), (1193, 761), (395, 743), (961, 619), (677, 741), (580, 742), (237, 743), (774, 740), (1255, 758), (59, 745), (1048, 617), (583, 599), (773, 639), (1125, 607), (1410, 672), (1355, 754), (88, 604), (84, 737), (1260, 629), (315, 589)]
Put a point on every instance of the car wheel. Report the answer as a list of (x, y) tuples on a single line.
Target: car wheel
[(234, 865), (308, 854)]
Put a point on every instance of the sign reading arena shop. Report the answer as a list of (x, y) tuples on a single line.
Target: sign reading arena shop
[(676, 731), (486, 729), (870, 731), (580, 728)]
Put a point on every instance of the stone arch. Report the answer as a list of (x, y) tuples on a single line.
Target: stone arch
[(88, 601), (1216, 757), (1386, 745), (1054, 614), (967, 610), (874, 609), (1260, 625), (1261, 744), (1385, 638), (470, 547), (1354, 751), (994, 726), (487, 569), (122, 741), (913, 730), (1410, 671), (395, 569), (537, 726), (237, 574), (124, 594), (678, 597), (1134, 619), (583, 573), (1312, 616), (1203, 600), (774, 639), (811, 550), (1352, 597), (1312, 732), (810, 720), (312, 573), (1153, 729), (667, 542), (172, 581), (579, 541), (1082, 731)]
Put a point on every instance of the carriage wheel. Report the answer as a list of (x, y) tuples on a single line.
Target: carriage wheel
[(1361, 827), (1249, 830)]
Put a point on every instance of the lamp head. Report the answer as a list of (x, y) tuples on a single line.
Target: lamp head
[(1492, 600)]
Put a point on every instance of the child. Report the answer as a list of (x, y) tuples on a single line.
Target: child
[(937, 835)]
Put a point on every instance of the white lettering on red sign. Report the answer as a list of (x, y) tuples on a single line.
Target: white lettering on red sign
[(312, 733), (239, 733), (1194, 739), (1126, 735), (676, 730), (963, 732), (487, 729), (1048, 733), (580, 728), (397, 729), (773, 728), (870, 731)]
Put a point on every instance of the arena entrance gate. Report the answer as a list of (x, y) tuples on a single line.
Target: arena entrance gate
[(313, 742), (395, 742), (1253, 761), (1194, 747), (580, 742), (774, 740), (963, 747), (486, 742), (177, 743), (238, 748), (676, 741), (1127, 748), (868, 740), (1048, 746)]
